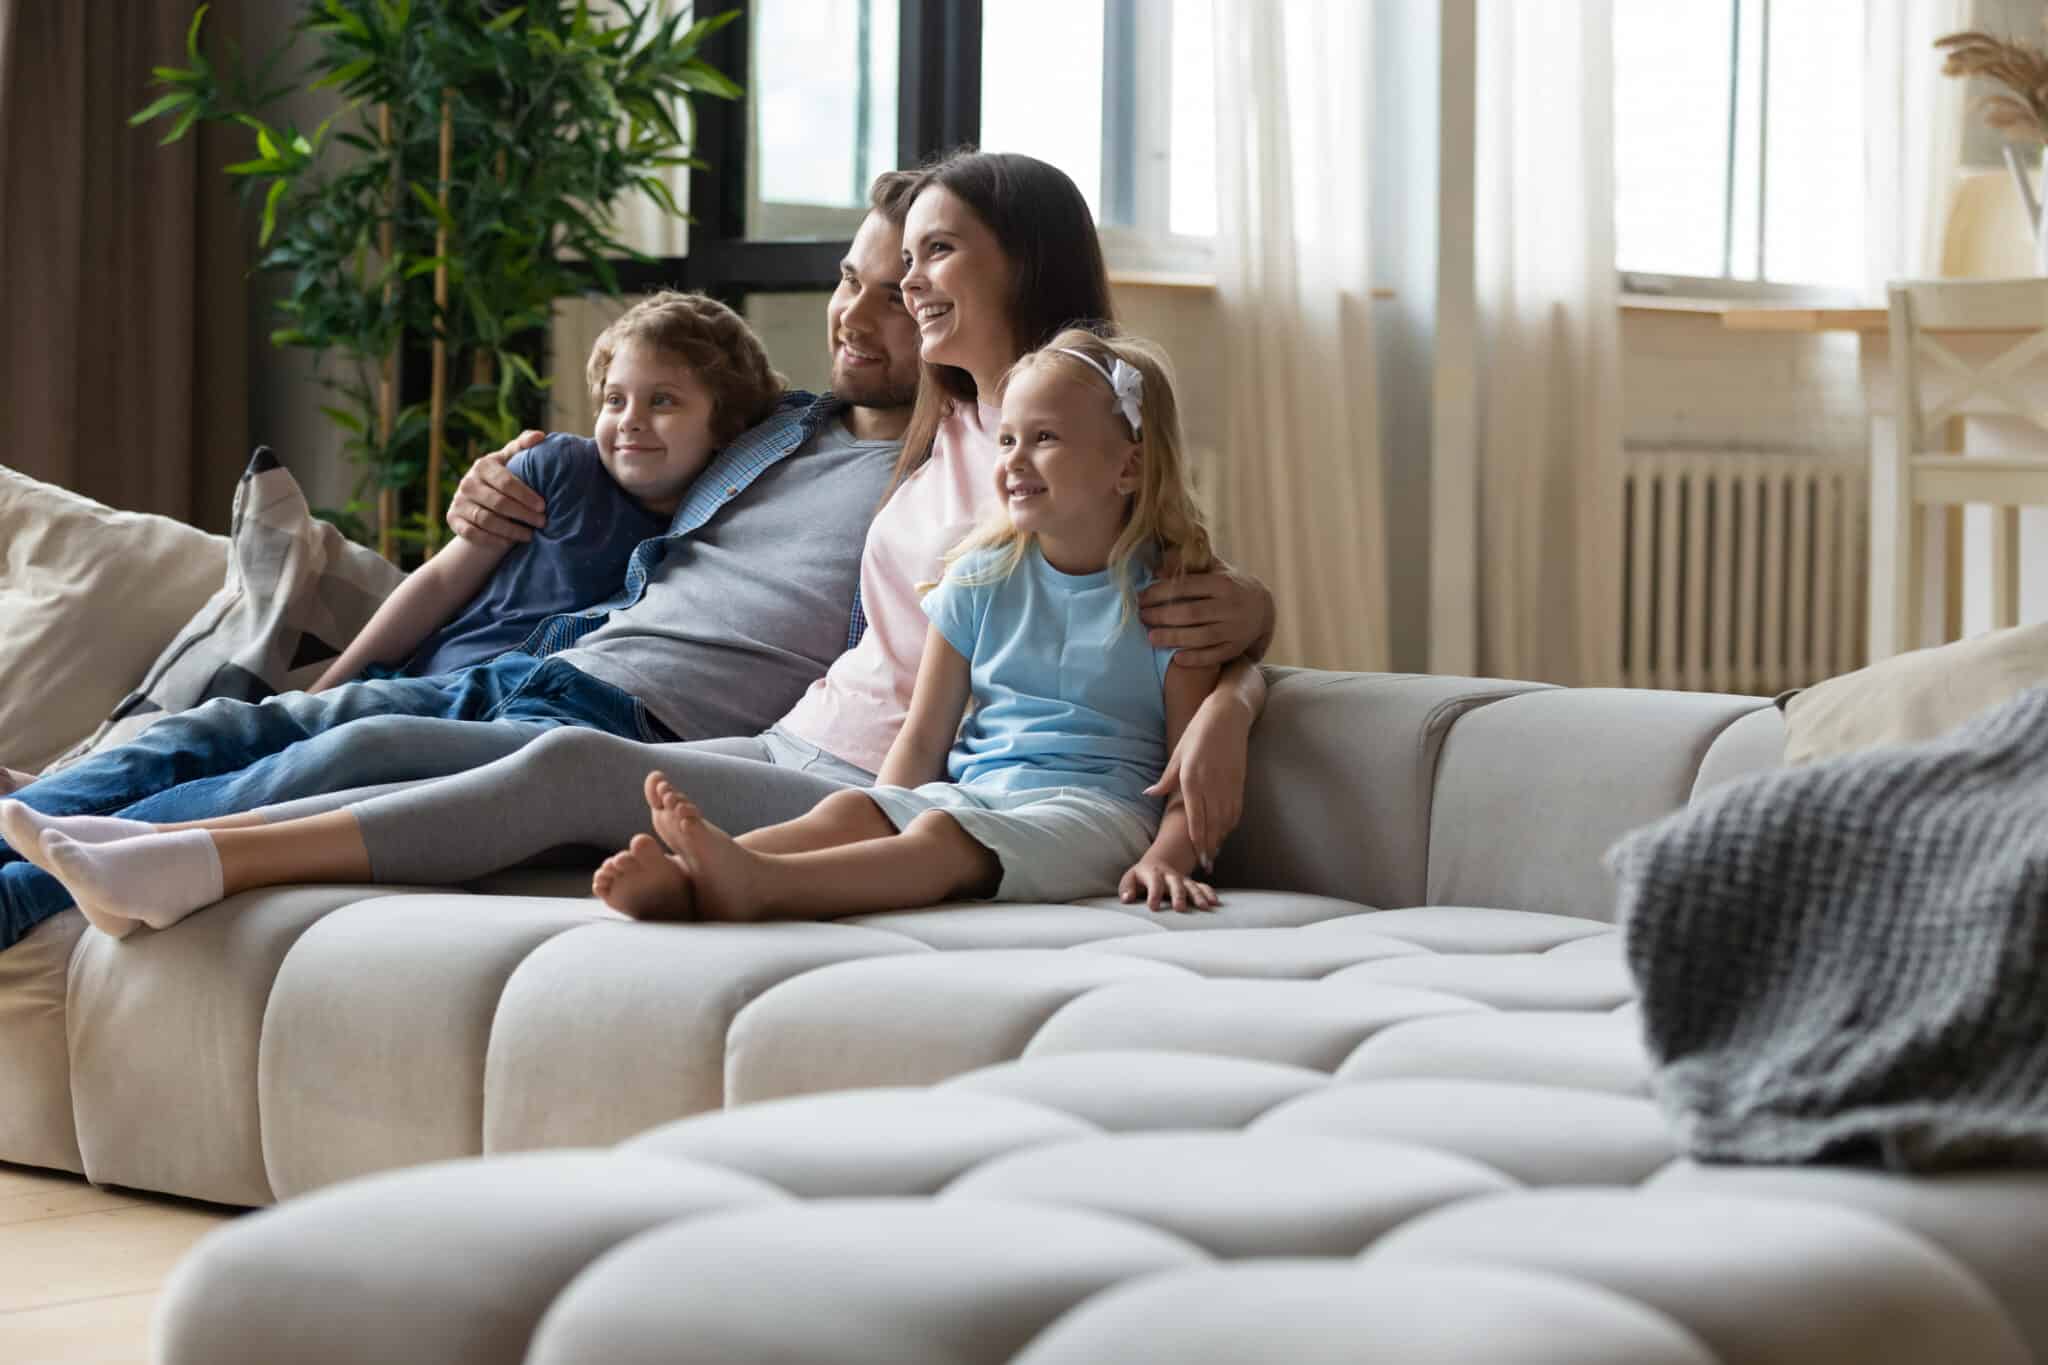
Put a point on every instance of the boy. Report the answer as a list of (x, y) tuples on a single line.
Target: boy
[(676, 377)]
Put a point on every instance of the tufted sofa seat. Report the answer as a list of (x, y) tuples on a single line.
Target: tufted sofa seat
[(1391, 1107), (1135, 1206), (1416, 1136), (288, 1039)]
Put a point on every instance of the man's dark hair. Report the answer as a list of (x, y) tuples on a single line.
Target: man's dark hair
[(891, 194)]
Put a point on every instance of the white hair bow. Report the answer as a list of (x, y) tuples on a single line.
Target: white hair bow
[(1124, 382)]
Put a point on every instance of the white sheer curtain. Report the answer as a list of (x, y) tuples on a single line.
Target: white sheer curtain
[(1549, 540), (1298, 490), (1913, 139)]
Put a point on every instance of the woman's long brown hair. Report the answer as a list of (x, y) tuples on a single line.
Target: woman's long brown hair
[(1043, 226)]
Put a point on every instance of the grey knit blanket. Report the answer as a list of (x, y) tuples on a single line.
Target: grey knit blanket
[(1849, 960)]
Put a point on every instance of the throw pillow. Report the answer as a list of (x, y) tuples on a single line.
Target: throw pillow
[(297, 592), (88, 596), (1914, 696)]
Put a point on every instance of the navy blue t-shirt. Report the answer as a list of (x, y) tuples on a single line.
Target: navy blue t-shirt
[(578, 560)]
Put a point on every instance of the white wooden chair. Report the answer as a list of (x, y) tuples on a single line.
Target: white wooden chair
[(1928, 466)]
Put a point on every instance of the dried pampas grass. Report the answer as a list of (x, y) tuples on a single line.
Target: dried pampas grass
[(2021, 112)]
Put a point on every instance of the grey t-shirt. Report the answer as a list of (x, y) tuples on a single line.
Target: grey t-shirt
[(741, 616)]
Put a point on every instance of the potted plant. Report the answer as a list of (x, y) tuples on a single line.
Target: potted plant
[(468, 181)]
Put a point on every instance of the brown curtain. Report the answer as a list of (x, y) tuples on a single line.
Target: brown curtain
[(123, 359)]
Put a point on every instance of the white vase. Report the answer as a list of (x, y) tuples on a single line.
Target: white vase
[(2036, 219)]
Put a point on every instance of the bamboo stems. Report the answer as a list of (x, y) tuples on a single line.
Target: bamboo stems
[(438, 401), (483, 371), (387, 379)]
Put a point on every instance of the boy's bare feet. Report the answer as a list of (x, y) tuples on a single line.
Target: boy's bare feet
[(644, 882), (13, 780)]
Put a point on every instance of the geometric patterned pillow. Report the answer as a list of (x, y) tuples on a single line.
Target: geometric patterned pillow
[(297, 592)]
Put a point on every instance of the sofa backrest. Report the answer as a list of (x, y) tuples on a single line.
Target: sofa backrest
[(1531, 791), (1403, 789)]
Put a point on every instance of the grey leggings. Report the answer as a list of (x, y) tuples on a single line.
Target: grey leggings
[(573, 787)]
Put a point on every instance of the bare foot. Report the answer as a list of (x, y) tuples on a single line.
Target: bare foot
[(13, 780), (725, 877), (668, 808), (644, 882)]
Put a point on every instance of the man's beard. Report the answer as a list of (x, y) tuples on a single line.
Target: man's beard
[(876, 390)]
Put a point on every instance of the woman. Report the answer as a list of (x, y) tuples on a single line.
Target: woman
[(1001, 254)]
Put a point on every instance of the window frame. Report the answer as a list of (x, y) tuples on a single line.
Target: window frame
[(938, 107), (1728, 287), (1137, 145), (781, 220)]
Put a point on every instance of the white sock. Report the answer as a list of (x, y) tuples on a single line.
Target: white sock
[(158, 878), (23, 829)]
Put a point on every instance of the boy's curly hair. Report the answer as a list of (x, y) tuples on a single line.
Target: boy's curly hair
[(716, 344)]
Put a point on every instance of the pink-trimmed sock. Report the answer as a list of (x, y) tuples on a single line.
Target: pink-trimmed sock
[(23, 829), (158, 878)]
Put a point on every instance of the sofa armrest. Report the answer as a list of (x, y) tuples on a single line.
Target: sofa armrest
[(1338, 794)]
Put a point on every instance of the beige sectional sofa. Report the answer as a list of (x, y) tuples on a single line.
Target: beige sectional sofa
[(1389, 1105), (285, 1040)]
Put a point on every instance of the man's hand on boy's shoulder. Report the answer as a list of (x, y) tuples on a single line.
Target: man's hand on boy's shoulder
[(493, 506)]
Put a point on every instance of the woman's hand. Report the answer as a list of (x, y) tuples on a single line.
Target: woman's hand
[(493, 507), (1164, 886), (1211, 618), (1207, 770)]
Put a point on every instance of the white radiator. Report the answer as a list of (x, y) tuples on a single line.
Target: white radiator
[(1742, 572)]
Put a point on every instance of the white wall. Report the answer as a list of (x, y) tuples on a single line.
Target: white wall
[(1689, 383)]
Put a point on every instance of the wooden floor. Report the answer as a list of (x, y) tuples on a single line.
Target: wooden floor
[(81, 1268)]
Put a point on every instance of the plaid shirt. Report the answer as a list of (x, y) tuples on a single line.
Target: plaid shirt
[(795, 420)]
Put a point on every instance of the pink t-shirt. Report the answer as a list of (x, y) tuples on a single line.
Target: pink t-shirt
[(855, 710)]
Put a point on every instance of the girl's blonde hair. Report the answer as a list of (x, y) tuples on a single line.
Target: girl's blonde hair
[(1163, 515)]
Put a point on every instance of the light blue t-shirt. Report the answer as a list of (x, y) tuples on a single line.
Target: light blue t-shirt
[(1067, 690)]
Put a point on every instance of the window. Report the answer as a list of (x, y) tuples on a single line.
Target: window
[(1118, 94), (823, 116), (1738, 146)]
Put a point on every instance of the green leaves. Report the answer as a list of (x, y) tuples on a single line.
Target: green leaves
[(192, 38), (558, 118), (659, 192), (177, 99), (277, 189), (442, 218), (698, 76)]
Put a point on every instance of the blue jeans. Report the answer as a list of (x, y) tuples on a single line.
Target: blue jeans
[(231, 756)]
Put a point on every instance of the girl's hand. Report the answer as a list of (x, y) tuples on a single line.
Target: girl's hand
[(1165, 886), (1207, 770)]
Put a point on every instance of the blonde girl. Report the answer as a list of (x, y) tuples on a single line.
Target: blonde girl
[(1045, 792)]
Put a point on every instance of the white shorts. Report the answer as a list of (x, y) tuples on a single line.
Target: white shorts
[(1057, 844)]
